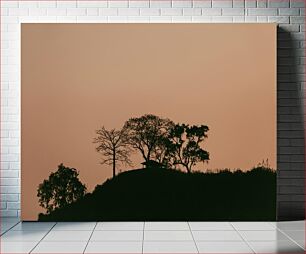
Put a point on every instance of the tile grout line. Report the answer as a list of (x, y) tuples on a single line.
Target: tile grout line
[(42, 238), (290, 238), (272, 225), (158, 230), (193, 237), (143, 232), (90, 237), (246, 242), (10, 228), (114, 230)]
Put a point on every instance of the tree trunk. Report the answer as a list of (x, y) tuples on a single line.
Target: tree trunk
[(148, 155), (114, 164), (188, 169)]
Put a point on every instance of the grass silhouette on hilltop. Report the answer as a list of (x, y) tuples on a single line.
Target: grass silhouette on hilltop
[(160, 194)]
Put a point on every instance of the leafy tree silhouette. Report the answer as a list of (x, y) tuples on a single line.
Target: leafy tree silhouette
[(147, 134), (183, 145), (114, 147), (61, 189)]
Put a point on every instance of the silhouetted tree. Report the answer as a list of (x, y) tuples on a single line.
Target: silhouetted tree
[(114, 147), (162, 153), (62, 188), (184, 145), (147, 133)]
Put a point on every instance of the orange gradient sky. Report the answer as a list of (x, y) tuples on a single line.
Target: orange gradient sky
[(78, 77)]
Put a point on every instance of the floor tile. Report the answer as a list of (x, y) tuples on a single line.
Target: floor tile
[(60, 247), (164, 235), (166, 226), (160, 237), (120, 225), (17, 247), (291, 225), (301, 243), (252, 226), (5, 226), (8, 224), (273, 235), (9, 220), (63, 226), (33, 226), (114, 247), (273, 224), (69, 236), (169, 247), (223, 247), (200, 225), (23, 236), (3, 230), (117, 236), (216, 236), (297, 235), (276, 247)]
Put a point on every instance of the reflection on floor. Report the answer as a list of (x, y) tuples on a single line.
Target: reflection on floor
[(152, 237)]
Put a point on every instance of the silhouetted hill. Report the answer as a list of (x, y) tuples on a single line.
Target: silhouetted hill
[(163, 194)]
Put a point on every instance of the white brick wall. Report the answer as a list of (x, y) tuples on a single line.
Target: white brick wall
[(289, 13)]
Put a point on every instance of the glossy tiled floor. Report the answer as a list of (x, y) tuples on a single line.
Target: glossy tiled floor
[(152, 237)]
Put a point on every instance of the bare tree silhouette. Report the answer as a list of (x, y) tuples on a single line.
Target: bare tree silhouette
[(114, 147), (146, 133)]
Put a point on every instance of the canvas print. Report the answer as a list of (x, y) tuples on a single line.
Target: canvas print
[(139, 122)]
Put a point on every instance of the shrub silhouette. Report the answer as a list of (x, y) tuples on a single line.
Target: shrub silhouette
[(61, 189)]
